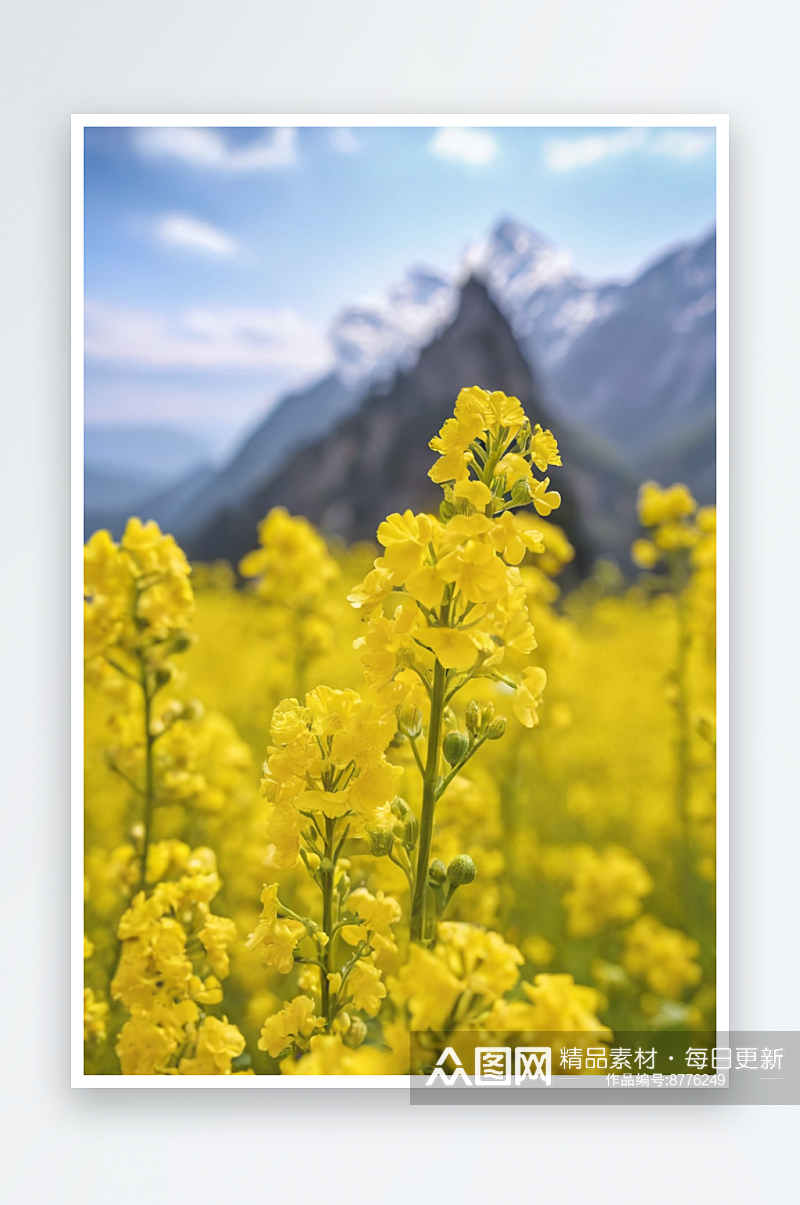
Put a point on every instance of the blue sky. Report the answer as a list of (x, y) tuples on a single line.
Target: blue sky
[(193, 234)]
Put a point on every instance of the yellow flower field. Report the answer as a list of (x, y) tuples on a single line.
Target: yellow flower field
[(359, 800)]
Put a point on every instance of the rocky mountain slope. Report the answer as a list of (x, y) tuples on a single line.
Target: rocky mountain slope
[(376, 460), (625, 369)]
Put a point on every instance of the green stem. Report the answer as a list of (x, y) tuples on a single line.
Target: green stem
[(683, 760), (327, 918), (429, 782), (149, 777)]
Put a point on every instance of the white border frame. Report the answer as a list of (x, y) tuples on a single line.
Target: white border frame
[(719, 122)]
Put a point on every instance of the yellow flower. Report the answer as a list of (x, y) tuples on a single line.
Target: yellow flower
[(657, 505), (290, 722), (468, 967), (406, 538), (94, 1017), (429, 989), (365, 987), (376, 586), (555, 1004), (218, 933), (496, 409), (294, 1023), (279, 936), (644, 554), (528, 696), (664, 957), (378, 913), (475, 492), (292, 567), (476, 571), (283, 827), (218, 1043), (544, 449), (605, 887), (453, 442), (144, 1047), (453, 649), (514, 467), (328, 1055), (512, 540), (371, 794), (543, 499)]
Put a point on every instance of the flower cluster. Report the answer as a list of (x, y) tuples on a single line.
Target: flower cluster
[(327, 781), (293, 571), (674, 519), (426, 878), (664, 958), (137, 596), (446, 603), (606, 886), (174, 951), (327, 764)]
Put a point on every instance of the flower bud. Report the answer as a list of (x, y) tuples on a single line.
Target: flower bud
[(461, 870), (181, 641), (455, 748), (437, 873), (478, 716), (409, 718), (496, 729), (411, 830), (163, 675), (380, 844), (356, 1032), (343, 886), (342, 1022), (521, 493), (400, 807)]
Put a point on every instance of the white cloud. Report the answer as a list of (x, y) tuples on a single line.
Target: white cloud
[(476, 148), (213, 339), (344, 141), (567, 154), (682, 144), (191, 234), (209, 149)]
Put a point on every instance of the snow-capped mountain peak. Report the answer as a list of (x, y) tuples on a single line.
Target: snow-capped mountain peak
[(378, 336), (521, 268)]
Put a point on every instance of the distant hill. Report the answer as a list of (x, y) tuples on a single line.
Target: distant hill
[(376, 460), (626, 370), (127, 468), (161, 453)]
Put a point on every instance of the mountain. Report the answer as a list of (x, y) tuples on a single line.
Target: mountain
[(299, 417), (625, 369), (376, 460), (153, 453), (642, 372), (128, 469)]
